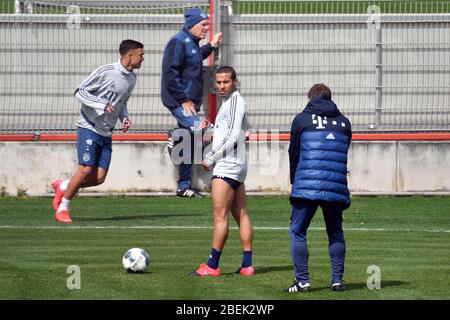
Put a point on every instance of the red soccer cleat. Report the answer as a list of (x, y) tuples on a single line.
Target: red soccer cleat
[(63, 216), (249, 271), (58, 193), (206, 271)]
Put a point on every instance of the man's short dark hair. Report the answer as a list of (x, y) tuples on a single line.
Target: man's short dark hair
[(227, 69), (127, 45), (319, 89)]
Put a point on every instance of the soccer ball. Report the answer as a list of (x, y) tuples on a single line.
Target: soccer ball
[(136, 260)]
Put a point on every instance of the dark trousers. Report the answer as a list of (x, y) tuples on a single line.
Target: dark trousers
[(302, 213), (188, 123)]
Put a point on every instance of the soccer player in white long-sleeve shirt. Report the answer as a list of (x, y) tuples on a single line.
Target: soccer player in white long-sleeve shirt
[(229, 173), (103, 96)]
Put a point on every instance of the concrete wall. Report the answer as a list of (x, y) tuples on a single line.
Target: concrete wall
[(374, 167)]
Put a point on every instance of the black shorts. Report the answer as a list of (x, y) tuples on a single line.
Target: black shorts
[(234, 184)]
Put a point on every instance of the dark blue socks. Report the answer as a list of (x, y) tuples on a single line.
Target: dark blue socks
[(213, 261), (246, 259), (214, 257)]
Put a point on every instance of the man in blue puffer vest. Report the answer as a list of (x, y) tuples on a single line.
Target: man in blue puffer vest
[(320, 138), (182, 86)]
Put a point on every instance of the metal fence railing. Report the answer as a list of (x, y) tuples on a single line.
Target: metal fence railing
[(340, 6), (392, 78), (387, 62), (99, 6), (44, 56), (239, 6)]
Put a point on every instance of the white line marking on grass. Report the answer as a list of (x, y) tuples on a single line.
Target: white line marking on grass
[(203, 227)]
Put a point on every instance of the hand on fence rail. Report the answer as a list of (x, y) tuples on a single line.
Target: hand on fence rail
[(217, 40)]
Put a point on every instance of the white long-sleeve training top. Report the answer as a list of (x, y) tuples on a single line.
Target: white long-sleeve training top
[(110, 83), (228, 147)]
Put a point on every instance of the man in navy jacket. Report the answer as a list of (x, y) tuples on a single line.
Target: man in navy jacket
[(320, 138), (182, 84)]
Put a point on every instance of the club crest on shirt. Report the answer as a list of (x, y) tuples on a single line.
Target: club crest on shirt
[(86, 156)]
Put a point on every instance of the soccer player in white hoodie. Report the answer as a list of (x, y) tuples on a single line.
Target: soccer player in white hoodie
[(229, 173), (103, 96)]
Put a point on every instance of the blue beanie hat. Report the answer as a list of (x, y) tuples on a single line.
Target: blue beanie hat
[(193, 16)]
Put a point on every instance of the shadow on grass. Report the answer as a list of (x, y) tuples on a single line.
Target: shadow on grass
[(136, 217), (259, 270), (363, 285)]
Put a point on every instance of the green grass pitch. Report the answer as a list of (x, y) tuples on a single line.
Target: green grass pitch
[(407, 237)]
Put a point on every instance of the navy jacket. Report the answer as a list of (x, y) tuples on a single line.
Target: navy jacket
[(182, 74), (320, 138)]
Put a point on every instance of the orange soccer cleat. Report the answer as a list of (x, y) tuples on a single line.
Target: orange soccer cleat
[(63, 216), (56, 185), (206, 271), (249, 271)]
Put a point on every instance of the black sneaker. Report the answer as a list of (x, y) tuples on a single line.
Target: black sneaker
[(188, 193), (338, 286), (298, 287)]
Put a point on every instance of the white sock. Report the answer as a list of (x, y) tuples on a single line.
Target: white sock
[(63, 185), (65, 204)]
